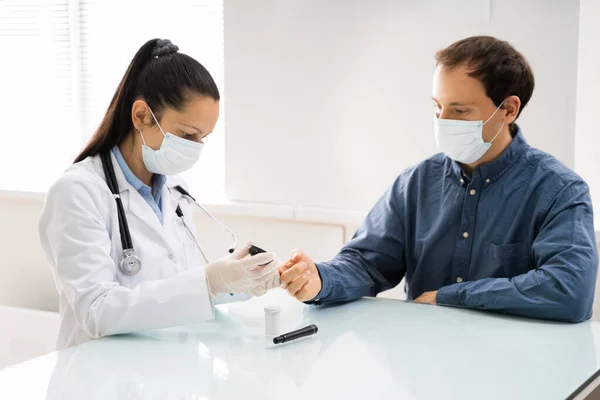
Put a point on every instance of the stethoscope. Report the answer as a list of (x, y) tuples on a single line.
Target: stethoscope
[(130, 264)]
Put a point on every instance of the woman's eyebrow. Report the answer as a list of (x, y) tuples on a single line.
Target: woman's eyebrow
[(193, 127)]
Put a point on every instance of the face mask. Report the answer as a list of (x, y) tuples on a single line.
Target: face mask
[(174, 156), (462, 141)]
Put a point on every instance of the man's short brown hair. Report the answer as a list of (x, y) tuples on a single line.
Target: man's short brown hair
[(501, 69)]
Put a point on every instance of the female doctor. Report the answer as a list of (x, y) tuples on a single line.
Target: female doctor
[(164, 107)]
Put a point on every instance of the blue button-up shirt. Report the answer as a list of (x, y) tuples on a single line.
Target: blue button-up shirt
[(153, 196), (517, 236)]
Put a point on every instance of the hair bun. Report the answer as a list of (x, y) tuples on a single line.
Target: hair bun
[(164, 47)]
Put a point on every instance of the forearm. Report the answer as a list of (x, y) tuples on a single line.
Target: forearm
[(373, 260), (108, 308), (353, 274), (534, 294)]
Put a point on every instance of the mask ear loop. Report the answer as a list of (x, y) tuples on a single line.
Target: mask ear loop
[(155, 120), (501, 126), (142, 135)]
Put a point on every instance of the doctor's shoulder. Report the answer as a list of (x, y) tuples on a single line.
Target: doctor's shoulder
[(177, 180), (81, 187)]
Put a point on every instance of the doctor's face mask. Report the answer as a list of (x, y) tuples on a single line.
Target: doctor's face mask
[(182, 137)]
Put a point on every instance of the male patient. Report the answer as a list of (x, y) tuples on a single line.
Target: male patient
[(491, 223)]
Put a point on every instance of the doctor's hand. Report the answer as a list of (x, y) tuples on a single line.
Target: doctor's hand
[(271, 283), (300, 277), (240, 272)]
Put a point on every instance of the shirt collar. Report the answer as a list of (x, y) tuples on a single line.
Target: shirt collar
[(158, 181), (491, 171)]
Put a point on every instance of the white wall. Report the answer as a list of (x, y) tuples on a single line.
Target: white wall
[(587, 138), (322, 242), (25, 279), (327, 101)]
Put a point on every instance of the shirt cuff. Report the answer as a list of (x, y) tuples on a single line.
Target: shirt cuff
[(448, 295), (325, 285)]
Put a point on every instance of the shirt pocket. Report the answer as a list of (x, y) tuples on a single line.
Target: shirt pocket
[(508, 260)]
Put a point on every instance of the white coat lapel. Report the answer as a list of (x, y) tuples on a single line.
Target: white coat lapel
[(170, 201), (134, 204), (180, 233), (169, 206)]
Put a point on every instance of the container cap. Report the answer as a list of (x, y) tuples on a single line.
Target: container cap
[(272, 309)]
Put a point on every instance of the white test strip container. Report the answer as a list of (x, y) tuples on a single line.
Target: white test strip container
[(272, 323)]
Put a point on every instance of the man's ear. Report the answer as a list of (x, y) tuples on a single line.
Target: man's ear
[(512, 105)]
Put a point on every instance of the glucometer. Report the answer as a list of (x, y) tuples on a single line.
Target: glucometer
[(254, 250)]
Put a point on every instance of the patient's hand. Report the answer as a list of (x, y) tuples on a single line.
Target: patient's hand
[(300, 277), (427, 297)]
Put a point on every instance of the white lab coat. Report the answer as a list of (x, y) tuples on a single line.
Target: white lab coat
[(79, 232)]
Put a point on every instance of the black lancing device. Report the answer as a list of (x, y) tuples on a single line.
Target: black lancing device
[(300, 333)]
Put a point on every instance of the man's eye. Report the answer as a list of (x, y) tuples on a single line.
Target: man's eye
[(461, 111), (188, 136)]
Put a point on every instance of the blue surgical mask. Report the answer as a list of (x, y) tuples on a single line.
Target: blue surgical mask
[(461, 140), (174, 156)]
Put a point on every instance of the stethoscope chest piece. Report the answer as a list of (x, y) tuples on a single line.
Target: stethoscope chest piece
[(129, 264)]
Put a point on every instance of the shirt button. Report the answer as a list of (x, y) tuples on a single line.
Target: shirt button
[(462, 181), (459, 279), (465, 234), (472, 192), (487, 180), (170, 256)]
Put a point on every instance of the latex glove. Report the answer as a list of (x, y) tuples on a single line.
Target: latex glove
[(272, 282), (238, 272)]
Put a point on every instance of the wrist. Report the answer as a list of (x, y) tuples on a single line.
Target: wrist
[(323, 277), (214, 280)]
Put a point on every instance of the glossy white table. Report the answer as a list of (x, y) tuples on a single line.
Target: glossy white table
[(370, 349)]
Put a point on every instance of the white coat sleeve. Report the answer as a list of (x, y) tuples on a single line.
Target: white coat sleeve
[(75, 238)]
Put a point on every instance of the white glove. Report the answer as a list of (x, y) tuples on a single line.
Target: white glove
[(272, 281), (238, 272)]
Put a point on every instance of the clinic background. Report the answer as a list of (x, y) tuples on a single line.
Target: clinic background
[(324, 103)]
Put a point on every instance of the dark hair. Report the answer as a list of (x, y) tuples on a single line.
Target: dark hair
[(500, 67), (159, 75)]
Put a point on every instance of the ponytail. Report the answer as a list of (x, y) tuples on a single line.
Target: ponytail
[(159, 75)]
